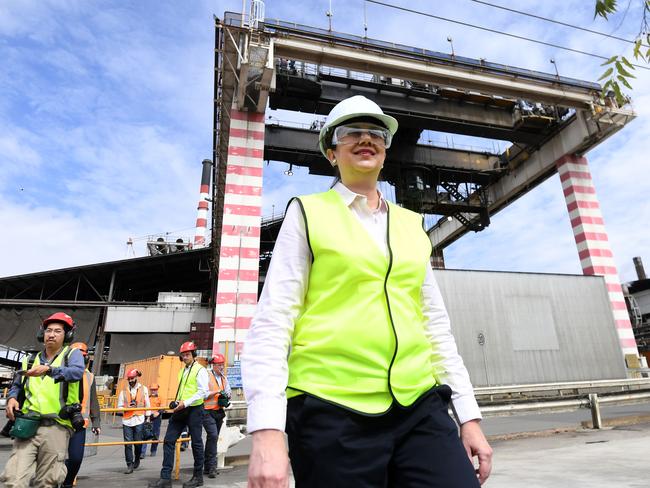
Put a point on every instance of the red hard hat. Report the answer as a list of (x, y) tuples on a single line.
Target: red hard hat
[(61, 317), (133, 373), (81, 346), (218, 358), (188, 346)]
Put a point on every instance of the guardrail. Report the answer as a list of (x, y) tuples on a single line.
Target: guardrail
[(575, 386)]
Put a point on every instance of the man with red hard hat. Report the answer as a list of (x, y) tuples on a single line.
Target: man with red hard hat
[(133, 395), (188, 412), (43, 403), (213, 415)]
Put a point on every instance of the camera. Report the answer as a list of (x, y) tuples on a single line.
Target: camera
[(223, 400), (173, 404), (73, 413), (133, 404)]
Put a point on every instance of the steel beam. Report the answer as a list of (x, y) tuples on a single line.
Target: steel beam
[(581, 134), (300, 147), (437, 114), (508, 85)]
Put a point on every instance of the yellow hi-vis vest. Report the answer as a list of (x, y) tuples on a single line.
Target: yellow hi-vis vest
[(45, 397), (187, 384), (359, 340)]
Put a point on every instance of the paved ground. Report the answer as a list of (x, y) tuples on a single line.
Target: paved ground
[(614, 458)]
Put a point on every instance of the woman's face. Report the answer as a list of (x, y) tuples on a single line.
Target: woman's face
[(359, 155)]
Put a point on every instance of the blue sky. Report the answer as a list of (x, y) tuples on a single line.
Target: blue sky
[(105, 117)]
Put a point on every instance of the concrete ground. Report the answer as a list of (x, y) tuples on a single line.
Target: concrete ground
[(560, 454)]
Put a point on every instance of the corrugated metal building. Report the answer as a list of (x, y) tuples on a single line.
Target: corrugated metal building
[(514, 328)]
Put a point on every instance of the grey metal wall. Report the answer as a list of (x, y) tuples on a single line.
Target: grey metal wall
[(514, 328)]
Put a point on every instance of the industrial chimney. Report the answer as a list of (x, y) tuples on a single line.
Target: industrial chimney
[(202, 217), (638, 264)]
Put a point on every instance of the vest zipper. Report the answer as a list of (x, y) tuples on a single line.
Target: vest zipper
[(390, 313)]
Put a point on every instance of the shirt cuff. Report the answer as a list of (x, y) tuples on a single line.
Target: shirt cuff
[(267, 413), (466, 409)]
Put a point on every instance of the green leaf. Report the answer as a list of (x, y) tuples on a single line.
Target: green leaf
[(624, 81), (619, 95), (626, 62), (622, 71), (604, 7), (637, 49), (610, 60), (606, 73)]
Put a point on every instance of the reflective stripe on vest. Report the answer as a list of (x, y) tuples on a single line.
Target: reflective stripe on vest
[(359, 340), (212, 402), (139, 401), (86, 383), (45, 397), (188, 385)]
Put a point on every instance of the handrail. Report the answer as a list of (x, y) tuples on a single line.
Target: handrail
[(574, 385)]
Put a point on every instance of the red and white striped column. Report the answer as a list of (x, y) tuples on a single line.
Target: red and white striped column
[(237, 282), (595, 253), (202, 217)]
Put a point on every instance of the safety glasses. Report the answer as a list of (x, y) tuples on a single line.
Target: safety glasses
[(352, 134)]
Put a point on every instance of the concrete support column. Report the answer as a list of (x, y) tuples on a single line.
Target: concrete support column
[(595, 253), (237, 282)]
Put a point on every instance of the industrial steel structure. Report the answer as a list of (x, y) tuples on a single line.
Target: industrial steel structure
[(511, 328), (550, 123)]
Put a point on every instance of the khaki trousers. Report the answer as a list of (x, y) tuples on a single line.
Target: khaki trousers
[(42, 458)]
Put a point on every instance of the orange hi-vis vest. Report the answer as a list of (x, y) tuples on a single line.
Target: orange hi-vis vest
[(216, 384), (87, 382), (139, 402)]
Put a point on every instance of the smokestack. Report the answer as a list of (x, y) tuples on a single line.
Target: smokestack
[(638, 264), (202, 216)]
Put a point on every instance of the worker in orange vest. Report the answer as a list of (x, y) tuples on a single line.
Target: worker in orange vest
[(156, 419), (134, 395), (213, 414), (90, 412)]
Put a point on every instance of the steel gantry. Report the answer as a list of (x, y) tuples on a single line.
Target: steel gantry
[(549, 123)]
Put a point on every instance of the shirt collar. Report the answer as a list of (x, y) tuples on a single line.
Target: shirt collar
[(349, 196)]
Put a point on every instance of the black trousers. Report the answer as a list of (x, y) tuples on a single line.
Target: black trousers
[(415, 447), (193, 421)]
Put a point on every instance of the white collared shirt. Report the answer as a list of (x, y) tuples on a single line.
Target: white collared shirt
[(264, 362), (135, 419)]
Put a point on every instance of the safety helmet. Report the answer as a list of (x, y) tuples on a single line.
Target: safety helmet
[(217, 358), (62, 318), (188, 346), (352, 108), (154, 387), (83, 348), (133, 373)]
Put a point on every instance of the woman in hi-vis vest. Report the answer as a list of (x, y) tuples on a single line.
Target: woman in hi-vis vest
[(350, 351)]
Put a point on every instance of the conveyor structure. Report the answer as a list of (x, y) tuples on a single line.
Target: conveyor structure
[(547, 122)]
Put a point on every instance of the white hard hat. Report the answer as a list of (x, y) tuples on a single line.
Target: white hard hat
[(352, 108)]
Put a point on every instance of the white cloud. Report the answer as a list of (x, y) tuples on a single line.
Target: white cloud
[(106, 116)]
